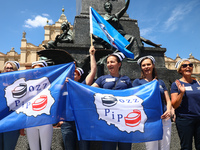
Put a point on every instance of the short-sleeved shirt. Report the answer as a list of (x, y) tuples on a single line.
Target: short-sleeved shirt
[(162, 87), (83, 82), (190, 105), (115, 83)]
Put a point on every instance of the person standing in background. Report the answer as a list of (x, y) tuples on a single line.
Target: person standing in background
[(185, 95), (40, 135)]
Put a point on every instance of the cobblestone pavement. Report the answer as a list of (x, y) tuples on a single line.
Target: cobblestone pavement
[(57, 143)]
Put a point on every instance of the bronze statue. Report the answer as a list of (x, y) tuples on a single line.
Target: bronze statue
[(65, 37), (113, 19), (149, 42)]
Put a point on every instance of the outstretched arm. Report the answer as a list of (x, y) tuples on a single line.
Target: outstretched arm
[(90, 77), (123, 10), (149, 42)]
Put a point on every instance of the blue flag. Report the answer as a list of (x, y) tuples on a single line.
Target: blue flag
[(101, 28), (132, 115), (34, 97)]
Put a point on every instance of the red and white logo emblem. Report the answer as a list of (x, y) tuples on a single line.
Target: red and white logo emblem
[(126, 113), (40, 103), (31, 97), (133, 119)]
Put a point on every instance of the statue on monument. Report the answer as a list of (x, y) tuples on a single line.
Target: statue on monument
[(114, 19), (24, 35), (149, 42), (65, 37)]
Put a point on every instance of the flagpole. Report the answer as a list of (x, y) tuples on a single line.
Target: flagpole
[(91, 39), (91, 28)]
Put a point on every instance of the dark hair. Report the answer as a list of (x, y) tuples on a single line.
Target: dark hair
[(154, 72), (118, 60)]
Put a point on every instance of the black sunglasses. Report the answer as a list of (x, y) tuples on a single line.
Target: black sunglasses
[(7, 68), (185, 65)]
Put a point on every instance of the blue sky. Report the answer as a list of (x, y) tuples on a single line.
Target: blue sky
[(173, 23)]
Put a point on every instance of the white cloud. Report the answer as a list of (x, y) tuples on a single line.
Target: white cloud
[(146, 31), (178, 14), (38, 21), (46, 15), (23, 11)]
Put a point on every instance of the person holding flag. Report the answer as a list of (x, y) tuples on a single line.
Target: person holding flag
[(8, 140), (114, 81), (68, 128), (148, 74), (31, 98), (40, 135)]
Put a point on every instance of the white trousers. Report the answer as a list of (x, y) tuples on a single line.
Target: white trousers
[(163, 144), (43, 133)]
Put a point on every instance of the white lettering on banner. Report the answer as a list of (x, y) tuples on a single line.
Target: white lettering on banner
[(126, 113), (30, 97)]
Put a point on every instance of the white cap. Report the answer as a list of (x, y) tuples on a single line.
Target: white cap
[(179, 62), (80, 71), (40, 62), (145, 57), (120, 55), (15, 63)]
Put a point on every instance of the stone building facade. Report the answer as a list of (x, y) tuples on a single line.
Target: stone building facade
[(11, 55), (29, 50)]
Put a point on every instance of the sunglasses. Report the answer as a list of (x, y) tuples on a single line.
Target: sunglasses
[(185, 65), (11, 68)]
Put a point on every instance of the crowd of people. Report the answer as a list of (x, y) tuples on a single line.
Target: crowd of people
[(185, 99)]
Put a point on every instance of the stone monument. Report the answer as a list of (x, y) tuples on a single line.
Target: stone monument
[(78, 49)]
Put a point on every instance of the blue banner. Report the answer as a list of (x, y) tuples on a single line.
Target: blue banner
[(132, 115), (101, 28), (34, 97)]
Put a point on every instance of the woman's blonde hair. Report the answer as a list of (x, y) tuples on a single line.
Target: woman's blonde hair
[(15, 68), (179, 64)]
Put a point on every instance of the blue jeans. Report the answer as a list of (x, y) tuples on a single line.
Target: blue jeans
[(113, 145), (8, 140), (69, 135), (187, 129)]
